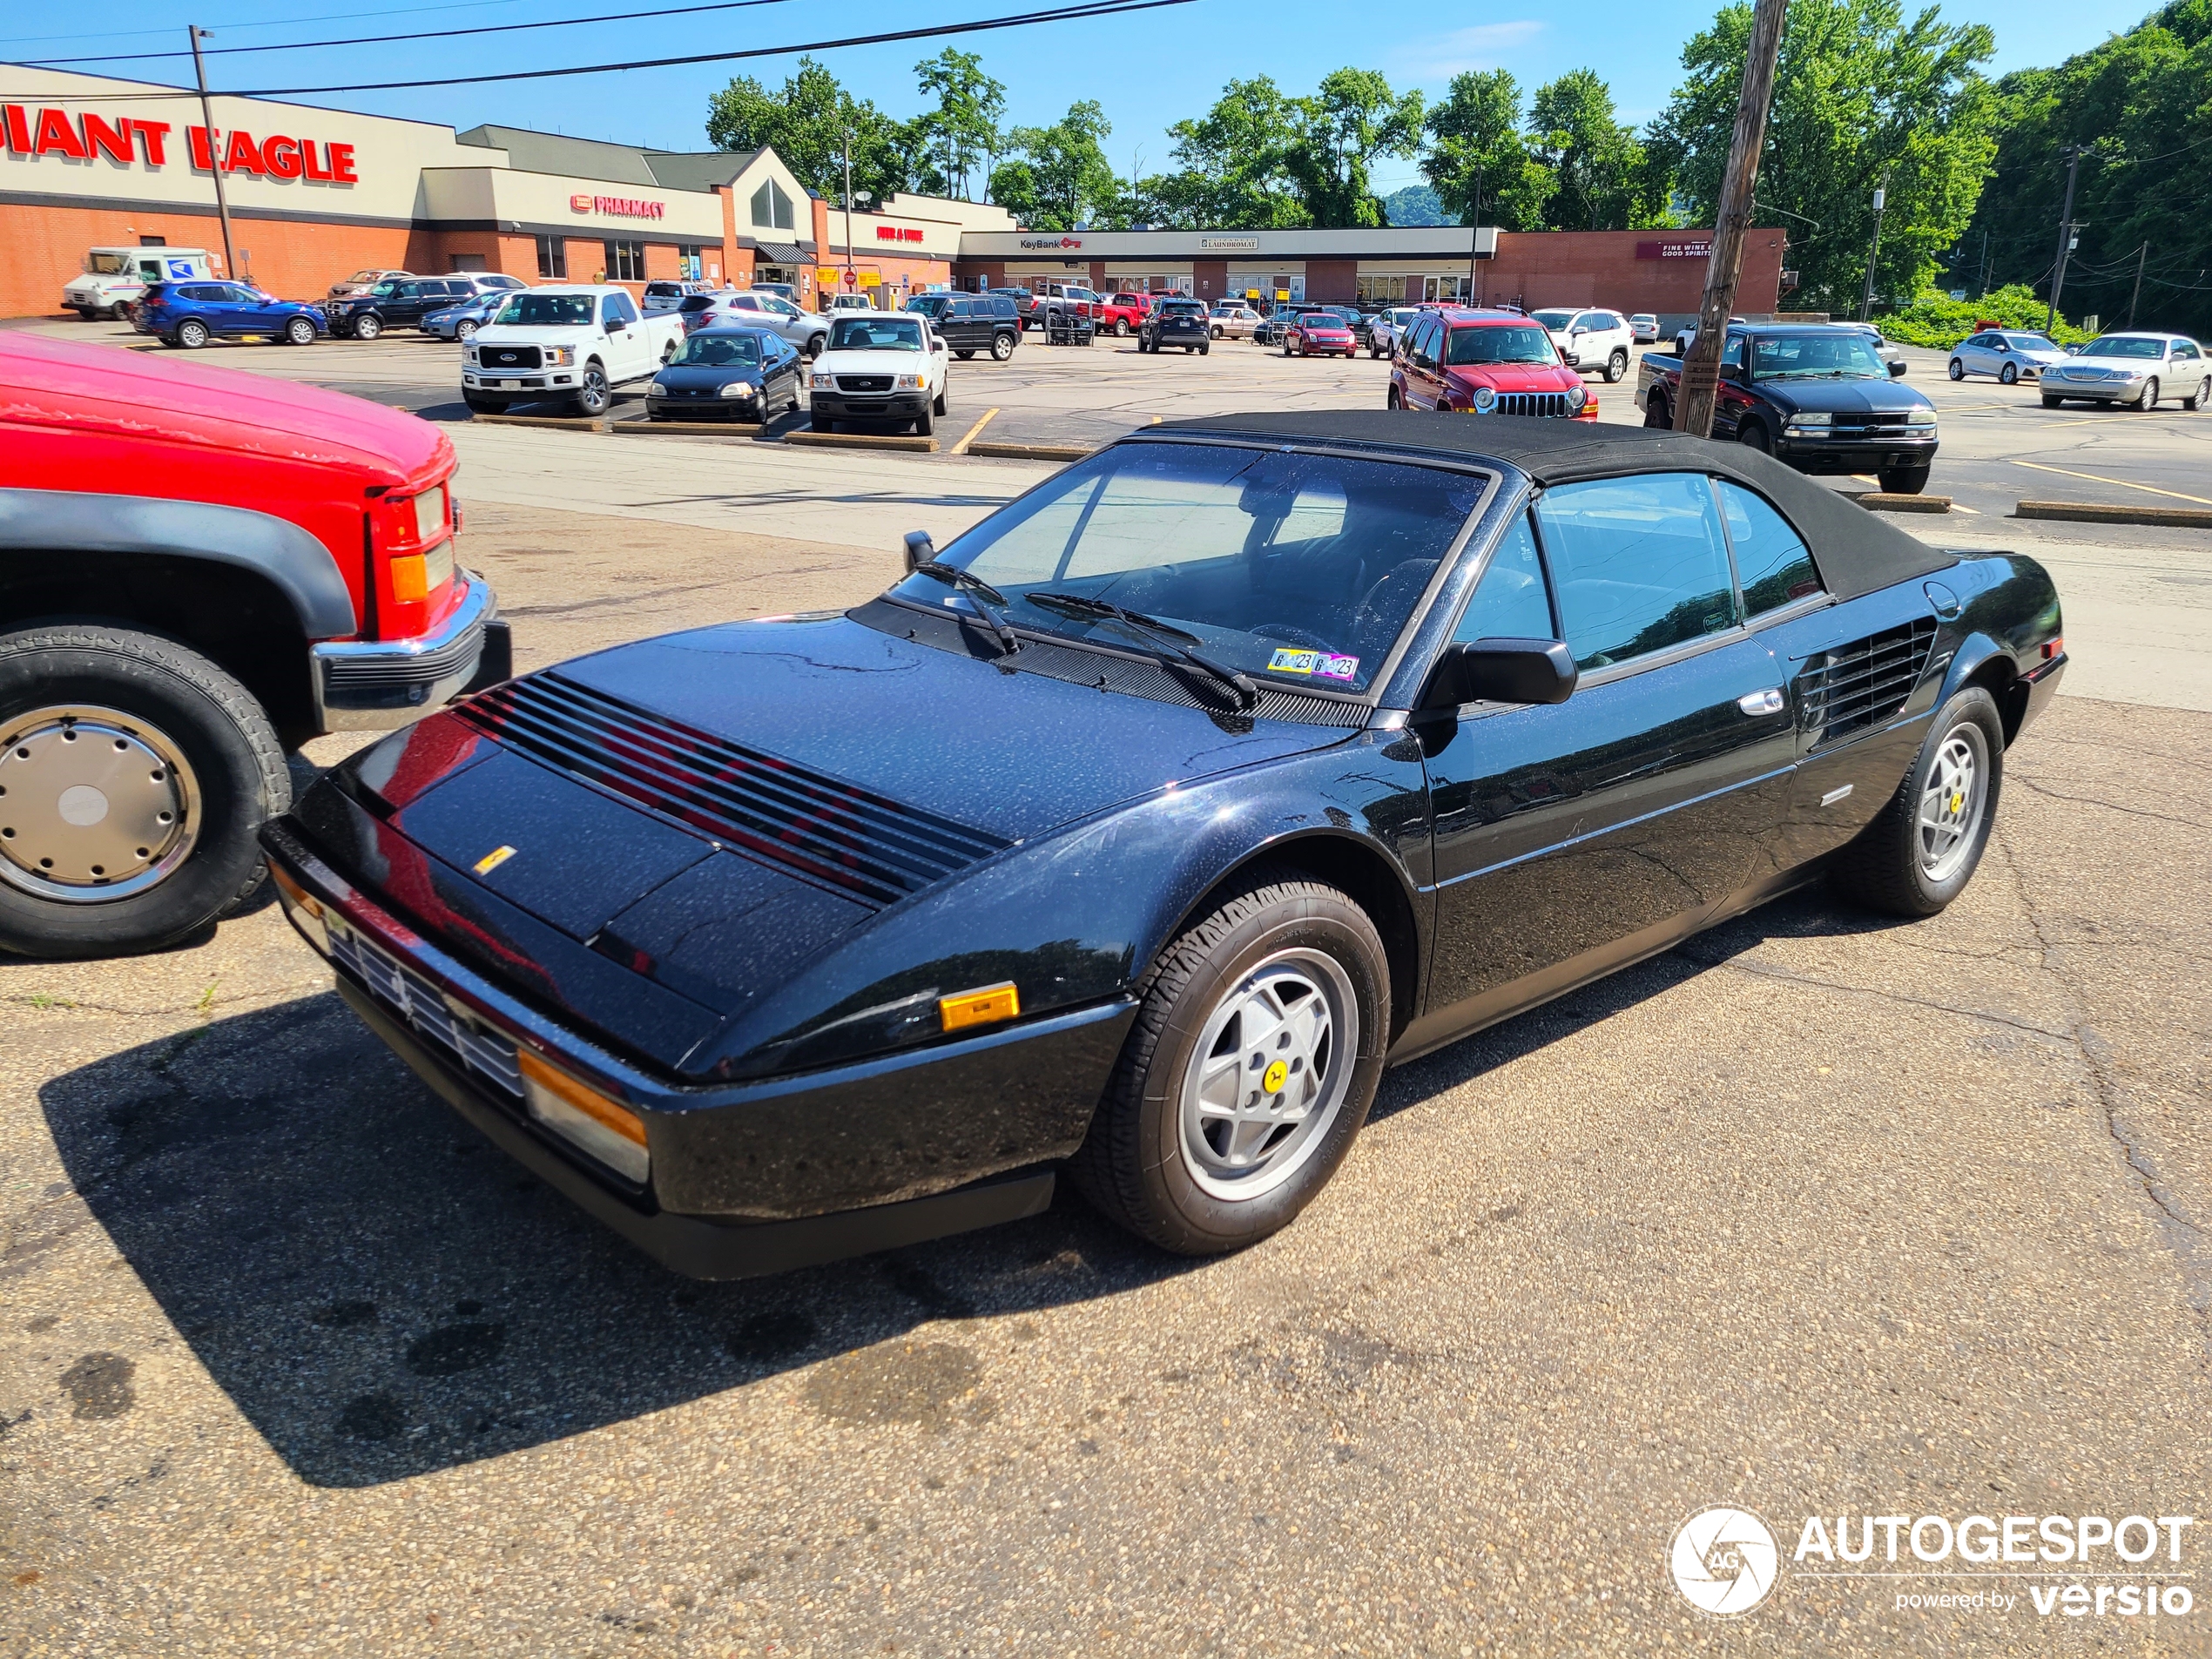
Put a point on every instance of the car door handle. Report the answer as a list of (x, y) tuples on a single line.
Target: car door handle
[(1767, 702)]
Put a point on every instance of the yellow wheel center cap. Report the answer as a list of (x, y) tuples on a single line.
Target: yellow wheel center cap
[(1274, 1077), (1957, 801)]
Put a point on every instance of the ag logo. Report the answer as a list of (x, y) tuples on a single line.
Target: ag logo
[(1723, 1561)]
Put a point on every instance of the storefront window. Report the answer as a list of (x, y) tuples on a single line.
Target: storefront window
[(553, 256), (625, 261), (1445, 287), (1375, 289), (771, 207), (691, 260)]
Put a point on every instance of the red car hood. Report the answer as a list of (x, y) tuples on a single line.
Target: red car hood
[(56, 383), (1516, 377)]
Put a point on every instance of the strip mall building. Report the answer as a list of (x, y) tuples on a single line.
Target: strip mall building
[(315, 195)]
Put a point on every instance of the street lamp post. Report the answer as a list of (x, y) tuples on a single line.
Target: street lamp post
[(850, 280), (1874, 249), (1474, 235)]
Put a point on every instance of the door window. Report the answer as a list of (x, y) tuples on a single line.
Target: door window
[(1773, 567), (1509, 603), (1641, 565), (1732, 353)]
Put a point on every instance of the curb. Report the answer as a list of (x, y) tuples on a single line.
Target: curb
[(1031, 451), (746, 429), (557, 423), (2089, 512), (862, 441), (1875, 501)]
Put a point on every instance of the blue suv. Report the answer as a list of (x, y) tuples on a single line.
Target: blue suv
[(191, 314)]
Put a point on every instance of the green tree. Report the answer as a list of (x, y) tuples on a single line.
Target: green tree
[(2140, 106), (963, 131), (1596, 163), (1013, 186), (1352, 119), (807, 123), (1475, 139), (1862, 98), (1069, 174), (1236, 161)]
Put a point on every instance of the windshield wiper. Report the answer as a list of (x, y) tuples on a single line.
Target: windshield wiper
[(1166, 633), (981, 593)]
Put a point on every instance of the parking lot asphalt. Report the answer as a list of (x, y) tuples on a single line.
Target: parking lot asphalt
[(1817, 1214)]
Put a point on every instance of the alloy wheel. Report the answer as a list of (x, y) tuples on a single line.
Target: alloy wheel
[(1957, 370), (1951, 801), (191, 333), (95, 805), (465, 330), (299, 332), (2010, 374)]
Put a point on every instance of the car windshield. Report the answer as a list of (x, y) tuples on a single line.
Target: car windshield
[(107, 264), (876, 333), (2029, 342), (1552, 319), (1844, 354), (1182, 309), (546, 311), (1321, 319), (2112, 346), (719, 351), (663, 288), (364, 276), (1513, 342), (1297, 570), (697, 302)]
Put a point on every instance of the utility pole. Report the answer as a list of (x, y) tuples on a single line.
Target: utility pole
[(2066, 236), (1984, 265), (2142, 254), (851, 282), (1873, 251), (1701, 370), (214, 150), (1474, 235)]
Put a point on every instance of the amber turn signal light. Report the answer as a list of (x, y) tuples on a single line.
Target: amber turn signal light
[(986, 1005), (2054, 648), (587, 1119)]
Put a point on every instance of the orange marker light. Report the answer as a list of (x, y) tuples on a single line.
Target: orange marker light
[(2054, 648), (986, 1005)]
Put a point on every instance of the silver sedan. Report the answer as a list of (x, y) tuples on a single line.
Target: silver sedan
[(2011, 355), (2134, 369)]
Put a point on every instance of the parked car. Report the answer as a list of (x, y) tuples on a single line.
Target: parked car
[(1688, 333), (1175, 321), (667, 295), (1071, 299), (490, 281), (1233, 319), (460, 321), (837, 302), (1816, 395), (114, 278), (2134, 368), (726, 308), (2011, 355), (972, 322), (401, 303), (191, 314), (885, 366), (726, 374), (784, 291), (361, 282), (1025, 300), (1319, 333), (571, 341), (782, 962), (1387, 326), (1644, 327), (1588, 339), (1484, 363), (199, 570), (1124, 312)]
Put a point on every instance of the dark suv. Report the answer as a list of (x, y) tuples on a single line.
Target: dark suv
[(1176, 322), (973, 323), (400, 303)]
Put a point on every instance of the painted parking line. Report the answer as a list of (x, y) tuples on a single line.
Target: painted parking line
[(960, 448), (2098, 478)]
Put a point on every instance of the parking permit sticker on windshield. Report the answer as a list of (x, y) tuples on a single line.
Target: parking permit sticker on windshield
[(1320, 664), (1338, 668)]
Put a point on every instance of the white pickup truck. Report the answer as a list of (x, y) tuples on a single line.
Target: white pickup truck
[(575, 342)]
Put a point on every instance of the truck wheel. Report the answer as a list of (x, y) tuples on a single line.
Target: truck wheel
[(1655, 411), (821, 422), (1903, 481), (136, 775), (88, 313), (484, 404), (299, 332), (192, 333), (1001, 347), (368, 327), (1121, 328), (925, 422), (1753, 435), (593, 396), (937, 403)]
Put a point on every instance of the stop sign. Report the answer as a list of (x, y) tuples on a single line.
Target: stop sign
[(851, 281)]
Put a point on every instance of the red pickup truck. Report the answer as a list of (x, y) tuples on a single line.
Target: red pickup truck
[(1125, 313), (200, 569)]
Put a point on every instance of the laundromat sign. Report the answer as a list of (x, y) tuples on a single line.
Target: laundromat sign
[(133, 142)]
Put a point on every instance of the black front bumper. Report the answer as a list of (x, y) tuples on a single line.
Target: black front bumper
[(1856, 454), (869, 406)]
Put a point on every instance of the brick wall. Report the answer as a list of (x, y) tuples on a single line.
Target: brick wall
[(1600, 268)]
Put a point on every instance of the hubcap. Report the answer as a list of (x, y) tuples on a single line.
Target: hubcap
[(1269, 1074), (1951, 802), (95, 805)]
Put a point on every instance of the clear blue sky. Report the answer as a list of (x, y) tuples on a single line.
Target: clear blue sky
[(1147, 70)]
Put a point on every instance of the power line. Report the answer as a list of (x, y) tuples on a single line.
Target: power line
[(431, 34), (1020, 20), (277, 22)]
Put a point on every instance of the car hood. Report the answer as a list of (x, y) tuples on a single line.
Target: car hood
[(1516, 377), (703, 375), (1844, 397), (873, 362), (533, 333)]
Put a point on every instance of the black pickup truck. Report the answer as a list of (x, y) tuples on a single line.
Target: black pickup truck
[(1817, 396)]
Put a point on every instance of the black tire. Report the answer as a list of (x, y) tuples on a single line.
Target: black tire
[(1133, 1166), (1615, 367), (1753, 435), (594, 397), (367, 325), (815, 345), (1394, 402), (1215, 331), (2009, 375), (237, 770), (1205, 351), (2203, 397), (925, 422), (937, 403), (301, 330), (1121, 328), (821, 422), (1655, 415), (89, 314), (1957, 370), (2052, 400), (1903, 481), (1882, 867), (2146, 400), (964, 352), (192, 333), (484, 404), (1001, 346)]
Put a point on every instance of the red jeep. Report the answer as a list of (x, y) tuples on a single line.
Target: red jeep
[(1484, 363), (199, 569)]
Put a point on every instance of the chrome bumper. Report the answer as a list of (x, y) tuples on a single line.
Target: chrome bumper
[(373, 684)]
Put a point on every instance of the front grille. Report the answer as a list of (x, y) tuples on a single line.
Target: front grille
[(864, 383), (855, 843), (1873, 418), (1866, 682), (1552, 405), (508, 357), (416, 1000), (354, 674)]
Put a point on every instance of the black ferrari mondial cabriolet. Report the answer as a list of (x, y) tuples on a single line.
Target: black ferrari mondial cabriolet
[(1133, 833)]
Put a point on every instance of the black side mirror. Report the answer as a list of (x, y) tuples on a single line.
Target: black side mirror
[(1896, 368), (1501, 670), (920, 549)]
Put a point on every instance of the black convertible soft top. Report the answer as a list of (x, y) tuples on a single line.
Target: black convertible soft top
[(1857, 552)]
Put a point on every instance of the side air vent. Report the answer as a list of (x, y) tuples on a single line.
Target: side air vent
[(855, 843), (1863, 683)]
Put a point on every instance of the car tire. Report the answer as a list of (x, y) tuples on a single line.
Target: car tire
[(1655, 415), (1753, 435), (2051, 401), (2009, 375), (2203, 397), (1394, 402), (925, 422), (814, 346), (1903, 867), (464, 331), (1278, 957), (2146, 400), (1957, 370), (1903, 481), (1215, 331), (1001, 347), (214, 741), (192, 333), (937, 403), (1121, 328), (367, 328), (965, 353), (484, 404), (1205, 351), (1615, 367), (89, 314), (594, 397), (821, 422), (299, 332)]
